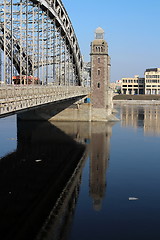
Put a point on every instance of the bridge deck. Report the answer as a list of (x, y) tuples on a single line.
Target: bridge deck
[(17, 98)]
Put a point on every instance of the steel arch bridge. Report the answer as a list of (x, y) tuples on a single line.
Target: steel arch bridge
[(37, 39)]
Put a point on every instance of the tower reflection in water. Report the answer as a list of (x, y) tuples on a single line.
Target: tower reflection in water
[(97, 135), (146, 117), (99, 159), (40, 181)]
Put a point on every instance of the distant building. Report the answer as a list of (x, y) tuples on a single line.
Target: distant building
[(133, 85), (116, 86), (87, 74), (113, 86), (152, 81)]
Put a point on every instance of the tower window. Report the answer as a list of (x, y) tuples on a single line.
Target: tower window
[(98, 49), (99, 72), (98, 85), (99, 36), (99, 60)]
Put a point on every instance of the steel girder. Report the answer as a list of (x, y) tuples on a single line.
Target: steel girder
[(38, 39), (16, 51)]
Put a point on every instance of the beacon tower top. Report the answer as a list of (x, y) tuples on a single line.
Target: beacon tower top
[(99, 33)]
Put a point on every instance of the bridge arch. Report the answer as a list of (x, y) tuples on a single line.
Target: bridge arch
[(16, 52), (38, 38)]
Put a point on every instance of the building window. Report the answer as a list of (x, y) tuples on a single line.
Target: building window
[(98, 85), (99, 72), (99, 60), (148, 91)]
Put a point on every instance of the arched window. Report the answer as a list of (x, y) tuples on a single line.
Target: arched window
[(99, 72), (98, 85), (99, 60)]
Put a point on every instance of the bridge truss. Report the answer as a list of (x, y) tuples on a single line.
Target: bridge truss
[(37, 39)]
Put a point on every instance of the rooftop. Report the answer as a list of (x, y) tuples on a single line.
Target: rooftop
[(99, 30), (99, 33), (153, 70)]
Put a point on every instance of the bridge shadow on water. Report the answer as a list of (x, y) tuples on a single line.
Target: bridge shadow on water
[(40, 182), (41, 178)]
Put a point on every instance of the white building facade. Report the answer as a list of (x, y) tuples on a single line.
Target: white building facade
[(152, 81), (133, 85)]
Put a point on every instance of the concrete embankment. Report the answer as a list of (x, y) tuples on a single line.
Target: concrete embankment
[(136, 102), (124, 99)]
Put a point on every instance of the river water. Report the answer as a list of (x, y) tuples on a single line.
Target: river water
[(80, 181)]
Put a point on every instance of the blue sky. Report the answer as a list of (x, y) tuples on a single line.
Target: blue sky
[(132, 30)]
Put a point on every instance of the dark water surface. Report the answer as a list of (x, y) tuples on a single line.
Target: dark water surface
[(50, 190)]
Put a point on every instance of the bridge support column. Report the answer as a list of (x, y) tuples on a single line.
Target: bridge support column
[(79, 111)]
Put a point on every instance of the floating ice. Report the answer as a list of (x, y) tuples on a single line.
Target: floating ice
[(38, 160), (132, 198)]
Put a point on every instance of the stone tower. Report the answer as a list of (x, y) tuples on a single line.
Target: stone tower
[(101, 97)]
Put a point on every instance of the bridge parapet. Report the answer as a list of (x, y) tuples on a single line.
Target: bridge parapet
[(17, 98)]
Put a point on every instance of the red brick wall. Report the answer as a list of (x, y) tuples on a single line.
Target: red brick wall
[(99, 93)]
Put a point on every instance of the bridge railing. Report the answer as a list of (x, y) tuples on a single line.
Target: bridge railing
[(16, 98)]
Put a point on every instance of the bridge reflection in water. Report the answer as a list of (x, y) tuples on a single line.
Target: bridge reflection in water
[(40, 182)]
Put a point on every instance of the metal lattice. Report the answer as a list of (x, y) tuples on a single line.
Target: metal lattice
[(37, 39)]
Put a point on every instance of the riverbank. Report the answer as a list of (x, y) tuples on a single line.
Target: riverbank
[(136, 102), (136, 99)]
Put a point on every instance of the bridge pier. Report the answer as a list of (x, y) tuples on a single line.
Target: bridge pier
[(51, 112)]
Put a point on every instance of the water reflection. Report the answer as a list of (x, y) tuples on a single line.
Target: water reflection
[(147, 117), (43, 173), (97, 136), (99, 157), (40, 182)]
